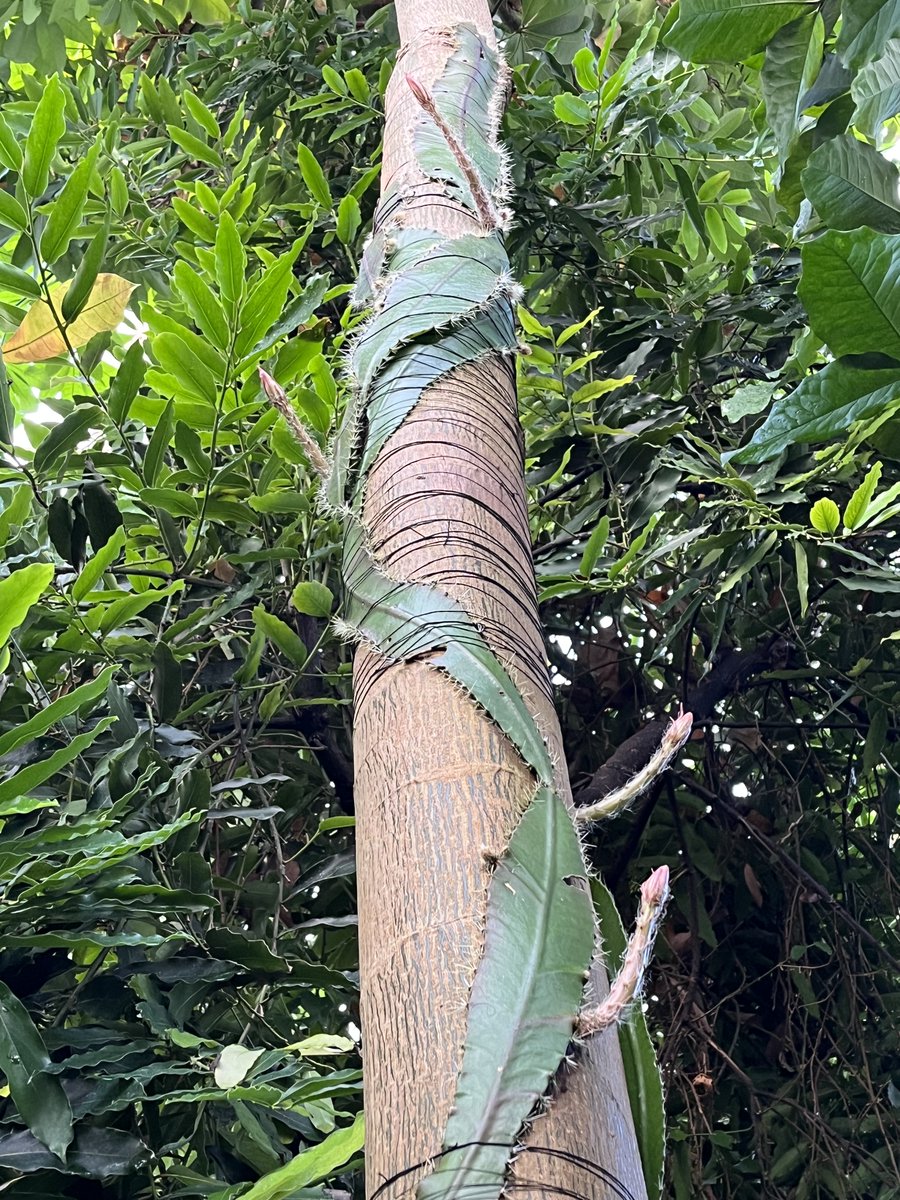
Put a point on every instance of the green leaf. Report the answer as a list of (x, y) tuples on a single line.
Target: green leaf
[(47, 128), (11, 212), (802, 571), (348, 220), (824, 406), (538, 943), (159, 443), (82, 285), (177, 357), (850, 184), (167, 682), (594, 547), (722, 31), (98, 564), (876, 90), (17, 280), (571, 109), (715, 227), (194, 147), (210, 12), (10, 149), (406, 620), (32, 776), (850, 286), (124, 387), (825, 515), (793, 58), (202, 305), (855, 511), (584, 64), (266, 302), (66, 435), (866, 27), (747, 400), (313, 176), (312, 598), (65, 215), (19, 592), (24, 1060), (281, 635), (66, 706), (317, 1163), (231, 263)]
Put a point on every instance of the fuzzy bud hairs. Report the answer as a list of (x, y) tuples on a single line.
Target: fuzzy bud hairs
[(627, 984), (276, 393), (673, 739)]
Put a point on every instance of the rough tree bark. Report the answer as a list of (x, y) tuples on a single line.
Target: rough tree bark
[(438, 787)]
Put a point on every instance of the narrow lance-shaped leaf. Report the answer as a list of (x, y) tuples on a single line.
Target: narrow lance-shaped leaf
[(47, 127)]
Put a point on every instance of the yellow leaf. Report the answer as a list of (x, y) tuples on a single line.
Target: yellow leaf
[(39, 337)]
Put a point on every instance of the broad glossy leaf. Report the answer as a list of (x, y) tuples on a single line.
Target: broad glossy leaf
[(316, 1163), (876, 90), (850, 184), (39, 338), (722, 31), (538, 944), (265, 303), (851, 289), (47, 127), (824, 406), (793, 58), (24, 1060), (98, 1153), (866, 27)]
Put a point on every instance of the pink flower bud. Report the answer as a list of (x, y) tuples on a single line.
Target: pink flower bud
[(418, 91)]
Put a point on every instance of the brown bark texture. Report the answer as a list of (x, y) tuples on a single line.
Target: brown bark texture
[(438, 786)]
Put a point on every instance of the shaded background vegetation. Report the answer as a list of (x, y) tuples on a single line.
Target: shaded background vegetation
[(176, 854)]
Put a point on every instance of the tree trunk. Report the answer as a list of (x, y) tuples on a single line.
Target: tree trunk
[(439, 788)]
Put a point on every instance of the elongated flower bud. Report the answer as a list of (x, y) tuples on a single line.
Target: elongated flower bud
[(302, 436), (486, 211), (673, 739), (627, 984)]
